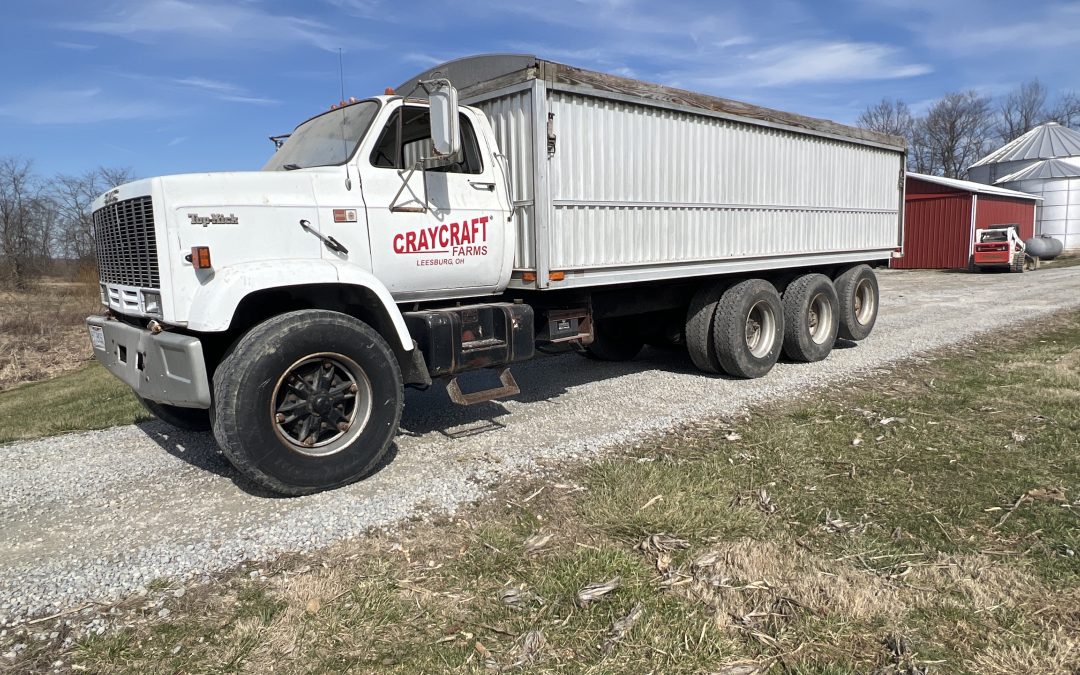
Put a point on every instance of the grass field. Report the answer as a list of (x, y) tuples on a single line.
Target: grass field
[(922, 520), (88, 398), (42, 334)]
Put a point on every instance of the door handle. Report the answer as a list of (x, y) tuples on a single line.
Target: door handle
[(490, 187)]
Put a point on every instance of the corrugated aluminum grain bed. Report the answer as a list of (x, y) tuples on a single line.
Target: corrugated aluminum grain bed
[(674, 183)]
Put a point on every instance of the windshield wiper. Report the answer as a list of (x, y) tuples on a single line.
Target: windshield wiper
[(291, 167)]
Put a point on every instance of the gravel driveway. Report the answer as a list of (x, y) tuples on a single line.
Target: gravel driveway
[(97, 515)]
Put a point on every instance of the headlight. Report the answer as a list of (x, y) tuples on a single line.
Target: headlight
[(151, 303)]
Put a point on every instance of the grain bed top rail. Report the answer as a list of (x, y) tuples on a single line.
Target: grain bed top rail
[(478, 75)]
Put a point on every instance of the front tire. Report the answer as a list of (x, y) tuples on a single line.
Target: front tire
[(811, 318), (307, 401), (857, 290), (188, 419), (748, 329)]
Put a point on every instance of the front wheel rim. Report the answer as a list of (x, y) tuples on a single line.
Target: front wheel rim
[(865, 302), (321, 403), (760, 330)]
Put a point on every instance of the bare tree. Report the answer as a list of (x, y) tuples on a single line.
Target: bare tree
[(26, 224), (73, 196), (956, 130), (1022, 110), (1066, 111), (888, 117), (113, 176), (921, 157)]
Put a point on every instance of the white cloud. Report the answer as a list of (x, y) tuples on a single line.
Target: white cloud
[(815, 62), (1053, 31), (225, 91), (735, 41), (215, 86), (254, 100), (364, 8), (56, 105), (76, 46), (422, 59), (201, 22)]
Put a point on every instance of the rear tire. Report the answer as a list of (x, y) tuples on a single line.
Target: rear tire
[(811, 318), (306, 401), (615, 340), (748, 329), (857, 290), (699, 327), (188, 419)]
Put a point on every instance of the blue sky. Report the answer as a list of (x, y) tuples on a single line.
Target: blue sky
[(171, 86)]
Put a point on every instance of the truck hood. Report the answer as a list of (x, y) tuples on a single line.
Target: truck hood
[(234, 188)]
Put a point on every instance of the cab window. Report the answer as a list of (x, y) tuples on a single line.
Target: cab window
[(416, 143)]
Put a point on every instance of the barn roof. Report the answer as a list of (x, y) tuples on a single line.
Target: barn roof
[(969, 186)]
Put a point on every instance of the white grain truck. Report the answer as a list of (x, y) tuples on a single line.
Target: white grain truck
[(405, 238)]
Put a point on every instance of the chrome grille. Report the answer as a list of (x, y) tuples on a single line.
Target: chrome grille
[(127, 253)]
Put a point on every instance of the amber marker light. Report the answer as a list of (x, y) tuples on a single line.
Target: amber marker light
[(556, 276), (200, 257)]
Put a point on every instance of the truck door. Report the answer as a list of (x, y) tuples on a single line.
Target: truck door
[(447, 235)]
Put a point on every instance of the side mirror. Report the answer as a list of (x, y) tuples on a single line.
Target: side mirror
[(445, 124)]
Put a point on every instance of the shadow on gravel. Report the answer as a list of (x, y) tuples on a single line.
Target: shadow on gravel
[(841, 343), (545, 378), (200, 450)]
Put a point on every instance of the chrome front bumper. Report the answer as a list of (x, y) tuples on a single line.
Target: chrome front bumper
[(162, 367)]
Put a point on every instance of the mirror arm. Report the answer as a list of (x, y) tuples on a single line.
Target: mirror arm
[(404, 184)]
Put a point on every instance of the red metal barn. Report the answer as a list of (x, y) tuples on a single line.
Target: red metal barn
[(942, 214)]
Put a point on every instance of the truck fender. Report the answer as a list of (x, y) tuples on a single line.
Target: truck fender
[(214, 304)]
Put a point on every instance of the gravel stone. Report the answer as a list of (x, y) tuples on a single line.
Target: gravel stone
[(99, 515)]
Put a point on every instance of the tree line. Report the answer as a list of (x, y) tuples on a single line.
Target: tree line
[(963, 126), (43, 220)]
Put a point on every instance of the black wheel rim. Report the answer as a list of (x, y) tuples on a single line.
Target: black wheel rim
[(321, 403)]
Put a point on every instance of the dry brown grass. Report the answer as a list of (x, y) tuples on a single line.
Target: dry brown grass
[(41, 330)]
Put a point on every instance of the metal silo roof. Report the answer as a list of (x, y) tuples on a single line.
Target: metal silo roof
[(1045, 141), (1047, 168)]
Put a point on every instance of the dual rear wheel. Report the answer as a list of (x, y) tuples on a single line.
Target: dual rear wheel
[(741, 329)]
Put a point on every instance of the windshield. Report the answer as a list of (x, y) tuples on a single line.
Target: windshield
[(325, 140)]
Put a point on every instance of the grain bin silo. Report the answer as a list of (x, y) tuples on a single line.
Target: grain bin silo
[(1045, 162), (1057, 181)]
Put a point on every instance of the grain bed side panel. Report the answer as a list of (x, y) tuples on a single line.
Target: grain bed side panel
[(636, 185), (511, 118)]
